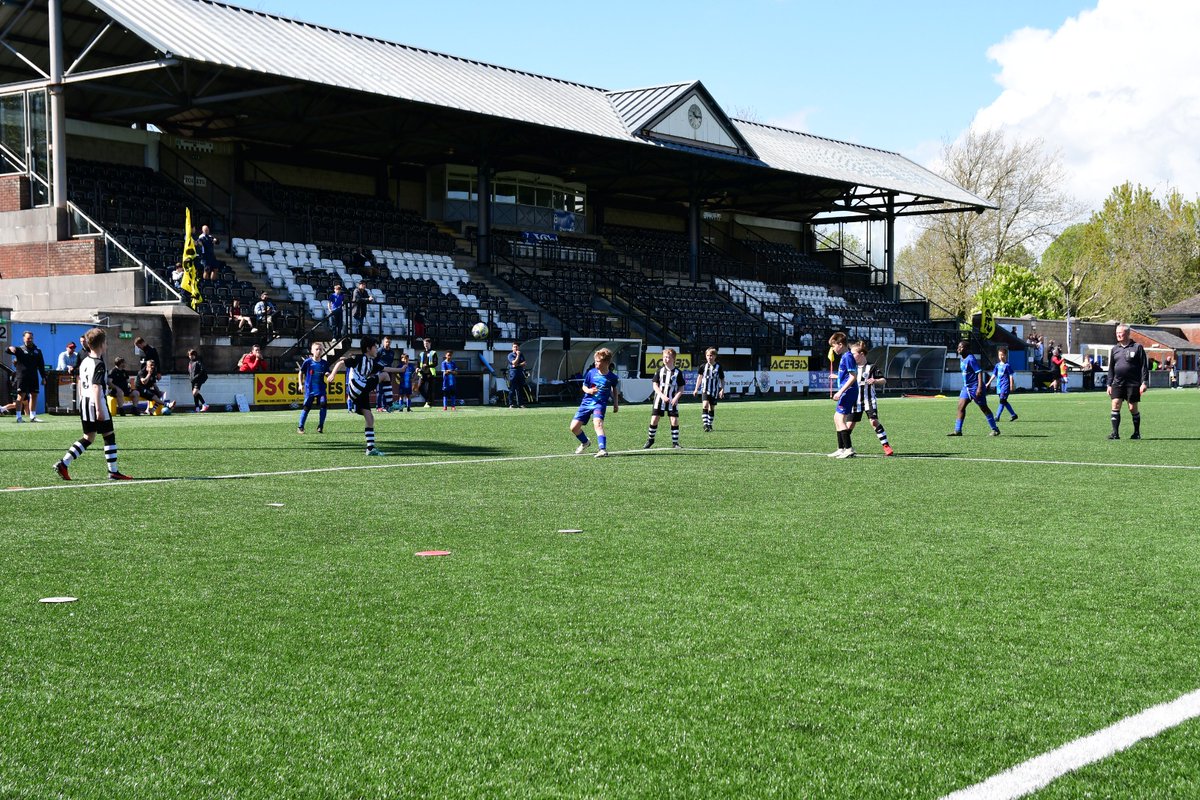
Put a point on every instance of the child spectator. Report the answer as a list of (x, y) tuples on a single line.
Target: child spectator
[(846, 395), (868, 403), (121, 395), (1002, 374), (710, 384), (197, 375), (668, 388), (93, 409), (449, 376), (239, 320), (600, 385), (147, 387)]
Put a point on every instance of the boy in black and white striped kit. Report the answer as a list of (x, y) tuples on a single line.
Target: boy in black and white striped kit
[(867, 402), (362, 376), (710, 385), (668, 388), (93, 408)]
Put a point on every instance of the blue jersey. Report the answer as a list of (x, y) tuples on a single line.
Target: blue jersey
[(312, 375), (1003, 372), (448, 372), (605, 383), (384, 356), (970, 373), (404, 378)]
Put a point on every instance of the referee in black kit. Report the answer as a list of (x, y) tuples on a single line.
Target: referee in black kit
[(1128, 379)]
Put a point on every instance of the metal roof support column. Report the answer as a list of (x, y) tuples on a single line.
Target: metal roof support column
[(693, 233), (58, 110), (484, 218), (890, 246)]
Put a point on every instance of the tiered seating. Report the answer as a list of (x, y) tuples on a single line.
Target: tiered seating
[(402, 284), (788, 262), (567, 294), (138, 206), (348, 218), (666, 250), (691, 311)]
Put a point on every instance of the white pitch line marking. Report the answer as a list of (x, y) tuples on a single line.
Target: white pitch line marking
[(638, 452), (1037, 772)]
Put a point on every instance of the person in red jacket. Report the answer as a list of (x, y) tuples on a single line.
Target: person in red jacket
[(253, 361)]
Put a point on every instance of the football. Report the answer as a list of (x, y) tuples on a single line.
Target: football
[(479, 330)]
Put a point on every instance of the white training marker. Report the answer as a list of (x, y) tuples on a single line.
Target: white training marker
[(58, 600), (571, 530), (274, 505)]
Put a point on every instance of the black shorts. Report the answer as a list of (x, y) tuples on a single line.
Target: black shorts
[(27, 382), (711, 399), (103, 427), (1131, 393), (198, 382), (853, 416), (358, 404), (662, 408)]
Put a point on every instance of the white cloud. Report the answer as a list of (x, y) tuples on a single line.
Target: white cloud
[(1116, 90)]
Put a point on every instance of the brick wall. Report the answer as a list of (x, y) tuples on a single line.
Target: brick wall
[(14, 192), (45, 259)]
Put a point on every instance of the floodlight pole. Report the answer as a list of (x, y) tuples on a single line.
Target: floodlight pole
[(58, 111)]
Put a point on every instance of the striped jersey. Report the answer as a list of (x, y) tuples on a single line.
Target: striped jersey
[(92, 373), (361, 372), (866, 400), (669, 379), (710, 379)]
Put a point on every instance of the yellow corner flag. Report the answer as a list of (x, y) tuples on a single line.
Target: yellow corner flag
[(190, 284)]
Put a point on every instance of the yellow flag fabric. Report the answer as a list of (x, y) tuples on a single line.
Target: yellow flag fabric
[(190, 282), (987, 324)]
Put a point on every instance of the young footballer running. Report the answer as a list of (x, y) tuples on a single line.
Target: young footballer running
[(973, 391), (600, 385), (311, 380), (846, 395), (868, 403), (93, 409), (668, 388), (1002, 374), (362, 376), (710, 385)]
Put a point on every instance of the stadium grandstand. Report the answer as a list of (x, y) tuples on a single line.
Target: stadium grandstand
[(456, 191)]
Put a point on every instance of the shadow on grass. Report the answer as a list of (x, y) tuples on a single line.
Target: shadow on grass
[(412, 447)]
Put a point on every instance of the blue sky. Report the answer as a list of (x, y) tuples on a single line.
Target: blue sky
[(895, 75), (1108, 84)]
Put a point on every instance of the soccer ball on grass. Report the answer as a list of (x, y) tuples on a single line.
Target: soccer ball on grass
[(479, 330)]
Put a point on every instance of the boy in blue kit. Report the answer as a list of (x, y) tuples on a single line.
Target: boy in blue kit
[(973, 391), (599, 386), (846, 395), (311, 379), (449, 374), (404, 384), (1002, 374)]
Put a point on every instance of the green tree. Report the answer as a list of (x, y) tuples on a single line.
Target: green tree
[(955, 254), (1138, 253), (1015, 291)]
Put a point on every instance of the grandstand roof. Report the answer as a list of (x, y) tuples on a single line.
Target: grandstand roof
[(242, 74)]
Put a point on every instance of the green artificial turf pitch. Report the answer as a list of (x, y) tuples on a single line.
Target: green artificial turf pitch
[(745, 618)]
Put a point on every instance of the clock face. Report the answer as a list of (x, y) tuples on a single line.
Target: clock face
[(695, 116)]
